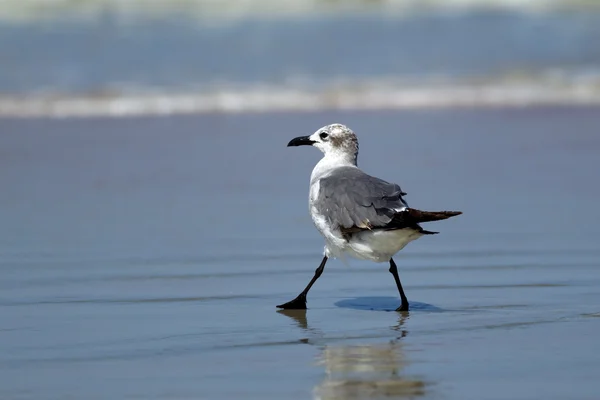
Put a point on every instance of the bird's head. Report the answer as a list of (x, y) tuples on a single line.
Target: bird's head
[(332, 140)]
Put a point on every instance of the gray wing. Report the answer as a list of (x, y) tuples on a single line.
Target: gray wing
[(353, 200)]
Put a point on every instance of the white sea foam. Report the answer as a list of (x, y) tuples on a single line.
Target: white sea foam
[(226, 9), (373, 95)]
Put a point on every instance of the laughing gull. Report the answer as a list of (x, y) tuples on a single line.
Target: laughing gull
[(357, 214)]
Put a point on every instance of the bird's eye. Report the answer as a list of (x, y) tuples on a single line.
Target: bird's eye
[(323, 135)]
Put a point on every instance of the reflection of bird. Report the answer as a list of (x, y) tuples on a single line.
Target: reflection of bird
[(297, 315), (399, 326), (365, 372), (362, 371), (357, 214)]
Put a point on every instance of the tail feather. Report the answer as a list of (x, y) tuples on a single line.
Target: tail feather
[(411, 218), (407, 218), (428, 216)]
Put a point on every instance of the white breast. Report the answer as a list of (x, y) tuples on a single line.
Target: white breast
[(334, 242)]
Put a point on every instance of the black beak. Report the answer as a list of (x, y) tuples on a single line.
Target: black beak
[(301, 141)]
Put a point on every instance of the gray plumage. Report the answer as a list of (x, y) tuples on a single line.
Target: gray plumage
[(350, 198)]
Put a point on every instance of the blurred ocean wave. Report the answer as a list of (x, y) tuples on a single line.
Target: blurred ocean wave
[(367, 95), (23, 10), (111, 57)]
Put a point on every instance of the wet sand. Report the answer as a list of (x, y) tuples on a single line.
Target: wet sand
[(143, 258)]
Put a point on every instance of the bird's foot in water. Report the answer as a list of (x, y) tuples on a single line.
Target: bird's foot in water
[(299, 303)]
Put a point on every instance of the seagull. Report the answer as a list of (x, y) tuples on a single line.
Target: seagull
[(358, 214)]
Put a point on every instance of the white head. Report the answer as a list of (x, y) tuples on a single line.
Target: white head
[(335, 140)]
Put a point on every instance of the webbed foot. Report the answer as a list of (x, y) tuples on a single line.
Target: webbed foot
[(299, 303)]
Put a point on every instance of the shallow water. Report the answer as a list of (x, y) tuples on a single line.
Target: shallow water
[(143, 258)]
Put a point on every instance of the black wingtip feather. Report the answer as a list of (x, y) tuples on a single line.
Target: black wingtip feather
[(419, 216)]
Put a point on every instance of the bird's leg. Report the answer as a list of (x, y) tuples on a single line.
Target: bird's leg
[(299, 303), (394, 271)]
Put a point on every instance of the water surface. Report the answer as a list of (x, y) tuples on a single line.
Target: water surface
[(143, 258)]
